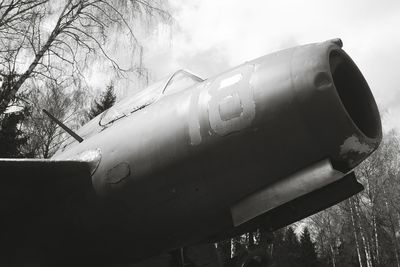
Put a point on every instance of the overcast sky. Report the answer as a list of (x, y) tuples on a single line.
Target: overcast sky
[(209, 36)]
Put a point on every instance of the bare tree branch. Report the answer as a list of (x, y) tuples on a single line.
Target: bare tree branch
[(80, 31)]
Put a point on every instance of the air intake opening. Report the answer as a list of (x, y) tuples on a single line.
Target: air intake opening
[(355, 94)]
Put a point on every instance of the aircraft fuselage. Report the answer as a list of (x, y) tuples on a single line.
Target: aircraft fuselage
[(168, 175)]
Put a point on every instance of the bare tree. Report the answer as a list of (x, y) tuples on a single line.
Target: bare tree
[(368, 223), (47, 39)]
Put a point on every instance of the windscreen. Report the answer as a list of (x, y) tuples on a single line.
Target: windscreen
[(174, 83), (177, 82)]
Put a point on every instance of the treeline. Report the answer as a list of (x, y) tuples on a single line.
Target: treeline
[(364, 230), (361, 231), (262, 248)]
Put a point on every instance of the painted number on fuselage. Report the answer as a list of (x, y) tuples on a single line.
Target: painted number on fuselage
[(229, 102)]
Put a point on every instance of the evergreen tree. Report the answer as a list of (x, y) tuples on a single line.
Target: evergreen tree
[(11, 136), (286, 249), (292, 246), (277, 247), (308, 255), (107, 100)]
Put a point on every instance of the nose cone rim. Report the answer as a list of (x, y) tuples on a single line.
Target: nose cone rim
[(355, 94)]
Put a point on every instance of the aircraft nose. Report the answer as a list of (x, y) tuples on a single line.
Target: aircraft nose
[(317, 93)]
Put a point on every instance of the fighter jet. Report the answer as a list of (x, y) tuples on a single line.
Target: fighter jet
[(187, 162)]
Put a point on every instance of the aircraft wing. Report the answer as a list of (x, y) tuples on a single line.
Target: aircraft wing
[(33, 186)]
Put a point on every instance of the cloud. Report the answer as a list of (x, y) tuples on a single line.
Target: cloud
[(210, 36)]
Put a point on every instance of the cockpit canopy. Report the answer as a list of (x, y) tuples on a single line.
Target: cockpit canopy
[(172, 84)]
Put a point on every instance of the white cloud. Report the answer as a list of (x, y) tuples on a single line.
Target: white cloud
[(212, 35)]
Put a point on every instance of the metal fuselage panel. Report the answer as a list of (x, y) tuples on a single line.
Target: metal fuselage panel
[(170, 172)]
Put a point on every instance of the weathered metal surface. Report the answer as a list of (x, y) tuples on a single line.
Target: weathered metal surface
[(229, 136), (192, 154), (299, 208), (117, 173), (284, 190), (231, 89)]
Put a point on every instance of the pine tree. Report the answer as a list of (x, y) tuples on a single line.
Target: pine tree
[(11, 136), (308, 255), (277, 249), (286, 249), (107, 100), (293, 248), (224, 250)]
